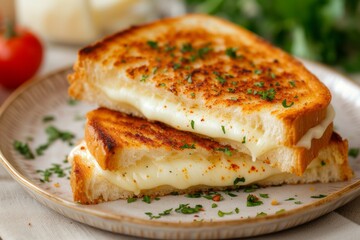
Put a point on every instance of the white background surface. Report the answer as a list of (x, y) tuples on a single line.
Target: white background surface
[(21, 217)]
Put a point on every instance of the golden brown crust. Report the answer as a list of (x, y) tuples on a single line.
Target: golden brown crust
[(108, 133), (218, 79)]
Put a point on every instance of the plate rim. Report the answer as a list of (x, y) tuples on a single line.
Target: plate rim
[(30, 186)]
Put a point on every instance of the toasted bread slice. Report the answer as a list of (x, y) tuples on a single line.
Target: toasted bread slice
[(205, 75), (117, 140), (91, 184)]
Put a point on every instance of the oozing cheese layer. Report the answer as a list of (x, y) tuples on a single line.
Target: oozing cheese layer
[(190, 170), (219, 126)]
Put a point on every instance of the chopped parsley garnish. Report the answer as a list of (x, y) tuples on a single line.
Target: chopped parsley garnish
[(353, 152), (290, 199), (55, 169), (249, 91), (285, 104), (192, 123), (152, 44), (162, 85), (169, 48), (264, 195), (323, 163), (292, 83), (231, 90), (259, 84), (188, 78), (188, 146), (187, 47), (231, 52), (164, 213), (143, 78), (253, 201), (272, 75), (224, 150), (222, 214), (277, 84), (72, 102), (53, 135), (223, 129), (192, 94), (319, 196), (194, 195), (280, 211), (230, 194), (202, 51), (298, 202), (261, 214), (186, 209), (243, 140), (251, 188), (48, 119), (131, 200), (268, 95), (155, 70), (214, 205), (176, 66), (237, 180), (237, 210), (221, 79), (257, 71), (23, 149), (146, 199)]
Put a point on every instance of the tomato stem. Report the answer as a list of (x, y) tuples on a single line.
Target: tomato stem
[(9, 30)]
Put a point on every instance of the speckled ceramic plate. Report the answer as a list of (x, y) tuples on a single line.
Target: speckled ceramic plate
[(22, 118)]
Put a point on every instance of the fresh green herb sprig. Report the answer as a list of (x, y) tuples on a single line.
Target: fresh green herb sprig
[(319, 196), (54, 134), (186, 209), (57, 169), (164, 213), (23, 149), (253, 201), (222, 214)]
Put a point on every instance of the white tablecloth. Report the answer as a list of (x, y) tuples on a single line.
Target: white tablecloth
[(21, 217)]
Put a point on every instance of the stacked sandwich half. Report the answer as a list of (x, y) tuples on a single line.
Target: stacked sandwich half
[(196, 103)]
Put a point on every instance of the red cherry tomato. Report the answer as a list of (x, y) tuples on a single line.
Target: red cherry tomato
[(20, 58)]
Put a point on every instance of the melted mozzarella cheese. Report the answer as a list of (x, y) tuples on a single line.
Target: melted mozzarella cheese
[(158, 108), (190, 170)]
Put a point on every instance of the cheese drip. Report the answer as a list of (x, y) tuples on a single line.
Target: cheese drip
[(190, 170)]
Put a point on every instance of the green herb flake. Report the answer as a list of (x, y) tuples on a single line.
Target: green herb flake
[(290, 199), (222, 214), (214, 205), (237, 180), (259, 84), (187, 47), (176, 66), (285, 104), (55, 134), (230, 193), (72, 102), (146, 199), (155, 70), (162, 85), (225, 150), (231, 90), (23, 149), (169, 48), (292, 83), (55, 169), (164, 213), (194, 195), (192, 123), (131, 200), (323, 163), (186, 209), (251, 188), (354, 152), (203, 51), (268, 95), (143, 78), (243, 140), (319, 196), (223, 129), (231, 52), (272, 75), (237, 210), (258, 71), (261, 214), (152, 44), (280, 211), (298, 202), (253, 201), (233, 99), (249, 91), (219, 78), (188, 146), (48, 119), (264, 195)]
